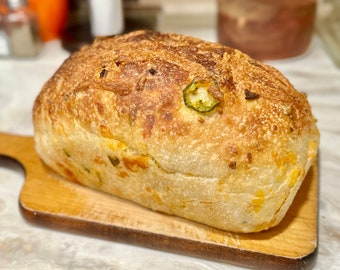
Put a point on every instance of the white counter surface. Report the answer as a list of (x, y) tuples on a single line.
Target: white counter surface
[(26, 246)]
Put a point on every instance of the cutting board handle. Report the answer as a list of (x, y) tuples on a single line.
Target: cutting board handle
[(18, 147)]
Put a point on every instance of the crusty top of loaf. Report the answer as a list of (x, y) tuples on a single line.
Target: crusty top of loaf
[(130, 88)]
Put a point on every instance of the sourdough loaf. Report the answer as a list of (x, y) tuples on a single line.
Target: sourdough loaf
[(179, 125)]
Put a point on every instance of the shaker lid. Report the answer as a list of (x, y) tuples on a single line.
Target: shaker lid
[(13, 4)]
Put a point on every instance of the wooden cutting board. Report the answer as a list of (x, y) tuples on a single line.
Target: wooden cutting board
[(49, 200)]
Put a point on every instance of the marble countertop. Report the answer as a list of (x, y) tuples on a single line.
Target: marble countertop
[(26, 246)]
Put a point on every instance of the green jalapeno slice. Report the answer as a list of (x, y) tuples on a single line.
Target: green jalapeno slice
[(197, 96)]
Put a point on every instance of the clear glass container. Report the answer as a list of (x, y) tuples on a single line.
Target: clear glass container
[(328, 27), (20, 26)]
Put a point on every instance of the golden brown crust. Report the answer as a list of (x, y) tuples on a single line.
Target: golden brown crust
[(126, 94)]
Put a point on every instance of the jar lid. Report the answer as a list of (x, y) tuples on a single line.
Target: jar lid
[(13, 4)]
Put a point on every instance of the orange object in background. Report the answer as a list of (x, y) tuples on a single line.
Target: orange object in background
[(52, 17)]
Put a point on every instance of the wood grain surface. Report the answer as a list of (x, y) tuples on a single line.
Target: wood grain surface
[(47, 199)]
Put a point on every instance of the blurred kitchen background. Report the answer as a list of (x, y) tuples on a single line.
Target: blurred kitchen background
[(192, 17), (76, 22)]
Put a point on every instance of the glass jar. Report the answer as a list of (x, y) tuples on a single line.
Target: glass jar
[(328, 27), (19, 25), (267, 29)]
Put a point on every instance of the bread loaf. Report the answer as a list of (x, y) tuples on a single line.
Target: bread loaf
[(179, 125)]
